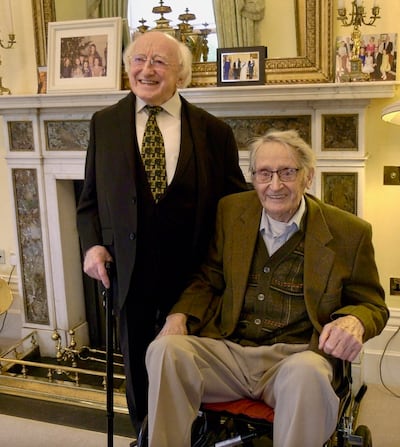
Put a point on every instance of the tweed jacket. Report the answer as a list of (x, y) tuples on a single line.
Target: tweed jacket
[(340, 274)]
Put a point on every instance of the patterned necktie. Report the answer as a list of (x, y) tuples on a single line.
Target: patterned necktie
[(153, 154)]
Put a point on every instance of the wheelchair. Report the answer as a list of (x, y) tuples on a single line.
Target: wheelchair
[(250, 423)]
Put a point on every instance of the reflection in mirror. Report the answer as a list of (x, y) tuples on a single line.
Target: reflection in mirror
[(143, 16), (259, 23), (313, 33), (238, 24)]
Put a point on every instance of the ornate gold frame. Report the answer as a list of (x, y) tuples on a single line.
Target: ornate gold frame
[(316, 65), (43, 12)]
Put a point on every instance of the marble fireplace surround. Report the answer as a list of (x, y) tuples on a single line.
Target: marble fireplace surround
[(45, 139)]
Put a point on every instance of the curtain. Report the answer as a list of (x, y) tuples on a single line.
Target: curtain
[(114, 8), (117, 8), (237, 22)]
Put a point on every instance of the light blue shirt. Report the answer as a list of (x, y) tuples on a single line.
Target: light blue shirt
[(276, 233)]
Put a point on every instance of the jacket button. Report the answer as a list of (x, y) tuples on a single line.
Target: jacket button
[(257, 321), (266, 269), (261, 297), (132, 236)]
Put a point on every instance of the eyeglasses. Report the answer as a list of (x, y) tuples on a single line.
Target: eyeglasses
[(157, 62), (285, 175)]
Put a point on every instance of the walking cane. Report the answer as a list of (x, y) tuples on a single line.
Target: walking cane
[(108, 303)]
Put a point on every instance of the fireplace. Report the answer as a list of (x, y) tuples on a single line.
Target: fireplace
[(46, 138)]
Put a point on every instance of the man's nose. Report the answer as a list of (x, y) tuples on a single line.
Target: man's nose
[(275, 181)]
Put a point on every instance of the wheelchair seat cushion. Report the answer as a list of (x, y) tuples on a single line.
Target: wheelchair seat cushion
[(254, 409)]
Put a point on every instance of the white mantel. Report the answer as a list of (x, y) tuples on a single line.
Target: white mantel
[(55, 168), (221, 98)]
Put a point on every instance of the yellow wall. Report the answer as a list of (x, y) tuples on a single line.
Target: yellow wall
[(382, 203), (382, 141)]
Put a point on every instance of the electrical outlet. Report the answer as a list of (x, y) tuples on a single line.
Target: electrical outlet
[(395, 286), (2, 256)]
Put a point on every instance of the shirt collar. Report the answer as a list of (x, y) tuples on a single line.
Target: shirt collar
[(172, 106), (270, 225)]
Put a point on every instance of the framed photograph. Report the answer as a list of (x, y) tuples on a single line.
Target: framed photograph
[(84, 55), (241, 66), (378, 56)]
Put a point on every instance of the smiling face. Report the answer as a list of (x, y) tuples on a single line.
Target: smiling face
[(280, 199), (155, 85)]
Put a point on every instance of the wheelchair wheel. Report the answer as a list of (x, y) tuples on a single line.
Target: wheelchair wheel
[(365, 433)]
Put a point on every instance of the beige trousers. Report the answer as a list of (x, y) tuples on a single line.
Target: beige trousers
[(187, 370)]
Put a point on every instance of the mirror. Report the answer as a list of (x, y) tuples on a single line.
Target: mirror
[(314, 64), (43, 12)]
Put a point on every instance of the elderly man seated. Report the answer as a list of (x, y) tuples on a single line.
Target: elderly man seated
[(290, 289)]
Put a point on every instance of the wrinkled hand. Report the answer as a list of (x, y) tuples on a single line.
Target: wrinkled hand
[(342, 338), (94, 264), (175, 324)]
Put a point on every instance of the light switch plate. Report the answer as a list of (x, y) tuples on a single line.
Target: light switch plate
[(391, 175)]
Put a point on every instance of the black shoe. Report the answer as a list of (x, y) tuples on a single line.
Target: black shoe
[(133, 443)]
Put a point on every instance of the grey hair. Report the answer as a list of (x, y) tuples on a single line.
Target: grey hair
[(184, 57), (291, 139)]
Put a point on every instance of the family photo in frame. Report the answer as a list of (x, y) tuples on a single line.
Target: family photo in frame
[(84, 55), (241, 66), (378, 55)]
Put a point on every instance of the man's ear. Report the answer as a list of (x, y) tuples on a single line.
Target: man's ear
[(309, 179), (179, 83)]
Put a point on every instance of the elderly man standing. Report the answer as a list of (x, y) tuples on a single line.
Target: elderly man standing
[(290, 289), (156, 167)]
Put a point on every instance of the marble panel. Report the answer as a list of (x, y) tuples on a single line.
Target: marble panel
[(246, 128), (67, 135), (30, 240), (20, 134)]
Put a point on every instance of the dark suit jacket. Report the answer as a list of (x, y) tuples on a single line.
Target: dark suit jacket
[(107, 210), (340, 274)]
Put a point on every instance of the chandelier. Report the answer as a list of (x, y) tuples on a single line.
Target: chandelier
[(195, 39), (357, 16)]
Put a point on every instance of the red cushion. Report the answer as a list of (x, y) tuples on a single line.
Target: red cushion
[(255, 409)]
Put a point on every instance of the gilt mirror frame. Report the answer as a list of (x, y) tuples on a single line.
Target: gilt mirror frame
[(43, 12), (315, 65)]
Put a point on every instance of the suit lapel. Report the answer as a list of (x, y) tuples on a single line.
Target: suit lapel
[(318, 258), (196, 133), (245, 232), (127, 130), (186, 150)]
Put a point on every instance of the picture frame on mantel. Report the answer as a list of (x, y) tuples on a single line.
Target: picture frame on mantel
[(84, 55), (241, 66)]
